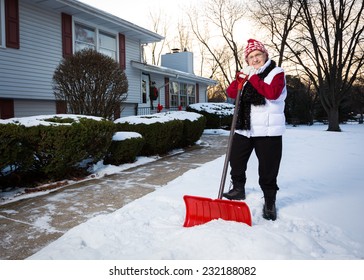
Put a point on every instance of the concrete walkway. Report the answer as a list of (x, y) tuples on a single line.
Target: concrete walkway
[(30, 224)]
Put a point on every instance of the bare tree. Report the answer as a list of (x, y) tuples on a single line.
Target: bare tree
[(327, 42), (182, 40), (335, 46), (91, 83), (160, 26), (280, 18), (217, 20)]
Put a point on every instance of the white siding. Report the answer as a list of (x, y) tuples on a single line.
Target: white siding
[(133, 75), (27, 72), (203, 94), (129, 110)]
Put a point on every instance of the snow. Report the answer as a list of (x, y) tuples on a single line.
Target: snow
[(46, 120), (159, 117), (319, 211), (124, 135), (221, 109)]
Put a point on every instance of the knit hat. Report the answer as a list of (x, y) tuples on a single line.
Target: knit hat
[(254, 45)]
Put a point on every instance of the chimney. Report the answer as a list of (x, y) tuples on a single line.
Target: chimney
[(182, 61)]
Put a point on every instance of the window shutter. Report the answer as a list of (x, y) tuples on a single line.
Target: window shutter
[(66, 35), (61, 107), (166, 92), (122, 59), (197, 93), (12, 24), (6, 108)]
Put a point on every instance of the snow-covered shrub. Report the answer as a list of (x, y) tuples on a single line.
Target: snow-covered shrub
[(161, 134), (165, 131), (124, 148), (218, 115), (55, 146)]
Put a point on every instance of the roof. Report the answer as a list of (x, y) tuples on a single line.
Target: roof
[(100, 18), (172, 73)]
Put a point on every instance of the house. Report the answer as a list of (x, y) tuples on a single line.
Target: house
[(35, 35)]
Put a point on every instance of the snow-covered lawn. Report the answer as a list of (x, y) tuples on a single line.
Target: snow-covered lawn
[(319, 211)]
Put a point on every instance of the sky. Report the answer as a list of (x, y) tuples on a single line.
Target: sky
[(139, 12), (173, 13), (319, 215)]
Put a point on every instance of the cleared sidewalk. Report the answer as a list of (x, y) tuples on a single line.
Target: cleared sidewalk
[(30, 224)]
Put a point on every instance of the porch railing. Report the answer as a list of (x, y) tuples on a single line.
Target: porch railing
[(152, 110)]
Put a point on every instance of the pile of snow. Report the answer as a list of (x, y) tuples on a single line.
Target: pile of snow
[(124, 135), (45, 120), (159, 117), (319, 211), (220, 109)]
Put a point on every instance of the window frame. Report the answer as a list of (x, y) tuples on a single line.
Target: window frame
[(2, 24), (183, 97), (97, 31)]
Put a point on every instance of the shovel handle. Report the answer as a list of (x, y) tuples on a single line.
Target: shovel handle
[(232, 130)]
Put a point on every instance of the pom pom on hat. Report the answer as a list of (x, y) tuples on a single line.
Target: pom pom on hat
[(254, 45)]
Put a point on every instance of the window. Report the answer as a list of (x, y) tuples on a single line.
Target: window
[(2, 23), (93, 38), (174, 92), (191, 94), (107, 45), (85, 38), (182, 94), (145, 88)]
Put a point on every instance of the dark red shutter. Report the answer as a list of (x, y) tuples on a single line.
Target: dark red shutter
[(122, 59), (12, 24), (197, 93), (166, 92), (6, 108), (61, 107), (66, 35)]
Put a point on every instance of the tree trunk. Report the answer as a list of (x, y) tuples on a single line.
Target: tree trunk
[(333, 118)]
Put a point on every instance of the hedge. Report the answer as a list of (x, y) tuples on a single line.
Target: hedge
[(218, 115)]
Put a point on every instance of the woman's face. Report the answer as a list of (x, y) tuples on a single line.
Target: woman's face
[(257, 59)]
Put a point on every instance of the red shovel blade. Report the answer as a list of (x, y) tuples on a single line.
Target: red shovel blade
[(200, 210)]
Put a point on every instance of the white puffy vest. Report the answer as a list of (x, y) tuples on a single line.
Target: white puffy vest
[(268, 119)]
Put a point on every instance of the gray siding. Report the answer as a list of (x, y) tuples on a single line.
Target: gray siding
[(26, 108), (133, 75), (203, 94), (27, 72)]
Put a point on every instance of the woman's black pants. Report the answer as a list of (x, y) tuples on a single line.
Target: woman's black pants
[(269, 153)]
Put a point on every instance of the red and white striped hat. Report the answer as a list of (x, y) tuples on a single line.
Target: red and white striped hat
[(254, 45)]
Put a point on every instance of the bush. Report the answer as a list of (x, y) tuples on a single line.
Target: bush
[(218, 115), (60, 146), (56, 148), (165, 131), (124, 148), (15, 155), (160, 135), (90, 83), (193, 126)]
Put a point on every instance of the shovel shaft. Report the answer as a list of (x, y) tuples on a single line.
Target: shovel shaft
[(232, 131)]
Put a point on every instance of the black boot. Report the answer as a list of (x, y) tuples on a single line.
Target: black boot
[(237, 192), (269, 208)]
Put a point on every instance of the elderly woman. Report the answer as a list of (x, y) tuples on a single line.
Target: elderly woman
[(260, 125)]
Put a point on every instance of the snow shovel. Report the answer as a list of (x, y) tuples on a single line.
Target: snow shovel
[(200, 210)]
